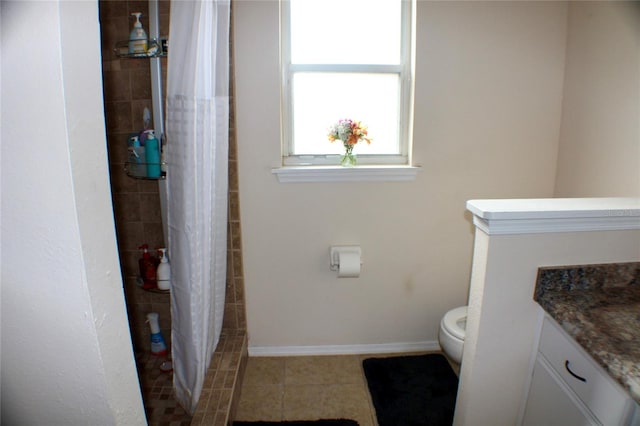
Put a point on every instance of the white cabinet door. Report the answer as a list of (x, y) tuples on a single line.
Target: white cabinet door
[(551, 403)]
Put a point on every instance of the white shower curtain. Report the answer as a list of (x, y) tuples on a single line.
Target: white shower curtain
[(197, 186)]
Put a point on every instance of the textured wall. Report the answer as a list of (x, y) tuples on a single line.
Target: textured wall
[(66, 356), (489, 81), (599, 152)]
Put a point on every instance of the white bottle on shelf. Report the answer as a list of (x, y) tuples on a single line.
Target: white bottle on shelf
[(163, 273), (138, 37)]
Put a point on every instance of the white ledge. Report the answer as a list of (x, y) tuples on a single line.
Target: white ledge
[(527, 216), (345, 174)]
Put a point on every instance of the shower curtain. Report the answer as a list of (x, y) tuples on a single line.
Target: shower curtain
[(197, 186)]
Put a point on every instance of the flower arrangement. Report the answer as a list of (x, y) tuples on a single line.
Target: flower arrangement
[(350, 132)]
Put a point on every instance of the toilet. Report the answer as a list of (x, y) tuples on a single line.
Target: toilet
[(452, 333)]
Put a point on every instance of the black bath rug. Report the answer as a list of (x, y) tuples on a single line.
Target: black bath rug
[(336, 422), (417, 390)]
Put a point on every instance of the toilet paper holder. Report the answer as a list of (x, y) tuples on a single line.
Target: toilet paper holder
[(334, 255)]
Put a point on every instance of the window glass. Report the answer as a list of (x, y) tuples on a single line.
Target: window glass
[(346, 59), (321, 99), (345, 31)]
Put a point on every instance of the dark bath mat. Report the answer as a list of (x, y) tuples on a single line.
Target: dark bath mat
[(417, 390), (336, 422)]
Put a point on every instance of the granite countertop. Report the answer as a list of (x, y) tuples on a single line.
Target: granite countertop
[(599, 306)]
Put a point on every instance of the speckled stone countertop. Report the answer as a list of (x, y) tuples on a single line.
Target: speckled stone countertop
[(599, 306)]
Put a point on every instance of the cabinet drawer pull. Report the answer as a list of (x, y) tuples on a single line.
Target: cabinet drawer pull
[(566, 365)]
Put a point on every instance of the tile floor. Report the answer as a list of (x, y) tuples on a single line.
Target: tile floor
[(157, 393), (306, 388)]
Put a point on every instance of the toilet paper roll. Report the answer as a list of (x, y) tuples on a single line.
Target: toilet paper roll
[(349, 265)]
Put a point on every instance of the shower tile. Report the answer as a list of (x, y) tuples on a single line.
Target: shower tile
[(117, 85), (220, 379), (164, 7), (133, 65), (239, 289), (229, 247), (113, 29), (234, 214), (118, 116), (130, 235), (157, 392), (129, 263), (141, 83), (233, 179), (153, 234), (112, 9), (236, 242), (237, 266), (164, 26), (227, 361), (229, 382), (142, 7), (148, 186), (164, 310), (150, 207), (126, 206), (229, 319), (117, 148), (225, 398), (242, 317), (230, 293), (120, 182), (127, 93)]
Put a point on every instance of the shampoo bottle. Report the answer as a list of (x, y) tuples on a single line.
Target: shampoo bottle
[(152, 155), (158, 345), (164, 271), (147, 269), (138, 37), (137, 158)]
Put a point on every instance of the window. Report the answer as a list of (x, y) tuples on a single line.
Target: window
[(346, 59)]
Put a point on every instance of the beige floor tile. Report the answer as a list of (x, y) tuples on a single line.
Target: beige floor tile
[(260, 402), (349, 401), (306, 388), (316, 370), (264, 371), (303, 402)]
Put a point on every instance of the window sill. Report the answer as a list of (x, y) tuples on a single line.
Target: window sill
[(290, 174)]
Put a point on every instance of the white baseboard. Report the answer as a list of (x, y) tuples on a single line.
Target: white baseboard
[(383, 348)]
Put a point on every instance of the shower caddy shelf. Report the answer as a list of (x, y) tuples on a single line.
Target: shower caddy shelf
[(129, 169), (150, 290), (161, 49)]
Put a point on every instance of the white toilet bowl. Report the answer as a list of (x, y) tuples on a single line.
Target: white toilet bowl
[(452, 333)]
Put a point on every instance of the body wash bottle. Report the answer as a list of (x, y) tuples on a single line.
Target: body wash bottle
[(152, 155), (138, 37), (137, 158), (163, 273)]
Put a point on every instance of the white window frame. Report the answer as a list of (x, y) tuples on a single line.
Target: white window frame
[(405, 70)]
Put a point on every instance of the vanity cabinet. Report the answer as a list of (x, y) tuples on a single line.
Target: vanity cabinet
[(569, 388)]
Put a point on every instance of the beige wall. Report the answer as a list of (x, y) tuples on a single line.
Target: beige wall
[(599, 151), (488, 107), (66, 348)]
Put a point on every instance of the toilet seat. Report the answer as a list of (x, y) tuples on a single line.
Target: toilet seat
[(455, 322)]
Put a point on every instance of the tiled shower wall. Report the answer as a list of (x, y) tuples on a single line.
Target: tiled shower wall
[(136, 202)]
